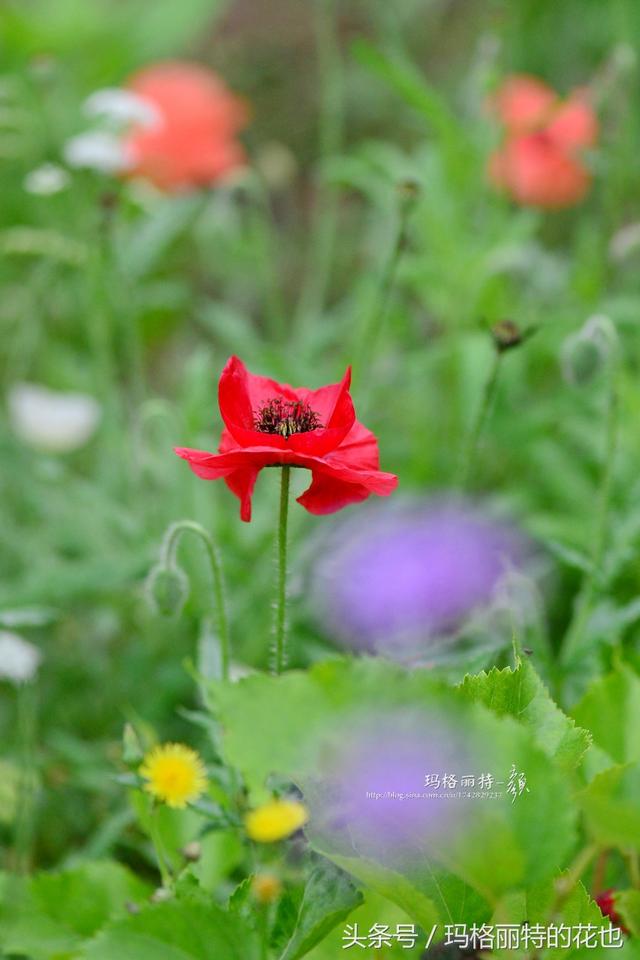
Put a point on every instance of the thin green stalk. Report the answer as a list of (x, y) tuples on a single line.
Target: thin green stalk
[(156, 839), (323, 227), (260, 224), (263, 912), (167, 559), (373, 328), (587, 594), (26, 728), (468, 459), (280, 632)]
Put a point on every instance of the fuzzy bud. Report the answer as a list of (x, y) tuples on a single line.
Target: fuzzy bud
[(585, 354), (266, 888), (506, 335), (167, 589), (192, 851)]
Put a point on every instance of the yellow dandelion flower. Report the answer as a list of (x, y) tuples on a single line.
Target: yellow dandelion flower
[(175, 774), (276, 820)]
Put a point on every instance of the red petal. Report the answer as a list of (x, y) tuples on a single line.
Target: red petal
[(327, 494), (523, 103), (241, 394), (535, 171), (574, 123), (242, 482)]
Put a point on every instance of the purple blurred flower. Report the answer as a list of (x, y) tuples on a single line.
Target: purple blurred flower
[(369, 790), (394, 581)]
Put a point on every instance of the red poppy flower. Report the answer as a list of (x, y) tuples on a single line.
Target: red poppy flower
[(270, 424), (536, 172), (606, 902), (522, 103), (194, 141), (540, 164)]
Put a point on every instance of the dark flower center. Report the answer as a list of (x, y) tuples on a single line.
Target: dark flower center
[(286, 417)]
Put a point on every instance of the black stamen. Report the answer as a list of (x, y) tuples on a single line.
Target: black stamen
[(286, 417)]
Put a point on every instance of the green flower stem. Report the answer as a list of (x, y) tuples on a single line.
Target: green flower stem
[(280, 631), (167, 559), (584, 604), (323, 226), (163, 864), (468, 459), (263, 915), (373, 328)]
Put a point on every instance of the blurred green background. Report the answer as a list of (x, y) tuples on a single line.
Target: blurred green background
[(138, 299)]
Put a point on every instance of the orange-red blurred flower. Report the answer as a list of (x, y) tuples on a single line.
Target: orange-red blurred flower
[(540, 161), (193, 141)]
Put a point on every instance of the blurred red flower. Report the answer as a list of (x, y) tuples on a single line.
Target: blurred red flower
[(540, 160), (270, 424), (606, 902), (194, 141)]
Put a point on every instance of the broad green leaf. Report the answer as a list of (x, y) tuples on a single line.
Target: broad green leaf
[(541, 905), (522, 695), (611, 805), (394, 887), (52, 914), (329, 897), (174, 931), (610, 709), (280, 726), (627, 904), (375, 910)]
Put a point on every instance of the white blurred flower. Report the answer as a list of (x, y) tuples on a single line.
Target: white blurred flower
[(97, 150), (46, 180), (624, 242), (50, 420), (121, 108), (19, 660)]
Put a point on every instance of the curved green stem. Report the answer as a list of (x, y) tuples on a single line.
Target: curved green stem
[(167, 558), (280, 632)]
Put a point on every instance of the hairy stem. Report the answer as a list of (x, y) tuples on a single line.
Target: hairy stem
[(280, 632), (163, 865)]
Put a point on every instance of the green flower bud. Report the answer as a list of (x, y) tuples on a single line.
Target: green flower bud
[(167, 589), (588, 352)]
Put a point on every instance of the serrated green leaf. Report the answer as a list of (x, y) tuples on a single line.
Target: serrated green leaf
[(611, 805), (276, 726), (522, 695), (174, 931), (610, 709), (328, 898), (627, 903), (51, 914)]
